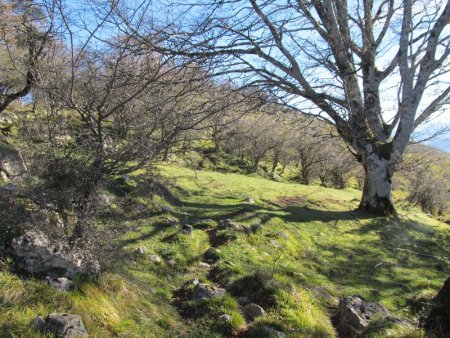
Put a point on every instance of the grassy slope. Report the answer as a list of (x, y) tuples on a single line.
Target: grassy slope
[(328, 245)]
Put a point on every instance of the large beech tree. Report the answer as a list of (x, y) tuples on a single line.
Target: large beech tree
[(374, 68)]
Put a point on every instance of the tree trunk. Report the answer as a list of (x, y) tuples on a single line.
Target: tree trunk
[(376, 196)]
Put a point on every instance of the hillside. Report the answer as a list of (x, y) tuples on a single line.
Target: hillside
[(308, 250)]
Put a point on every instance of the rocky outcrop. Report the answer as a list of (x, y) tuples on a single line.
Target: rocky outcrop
[(438, 320), (355, 314), (61, 325), (37, 254)]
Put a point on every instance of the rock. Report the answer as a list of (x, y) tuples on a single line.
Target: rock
[(252, 311), (230, 263), (141, 208), (61, 325), (172, 262), (250, 200), (9, 187), (283, 234), (212, 255), (256, 228), (227, 224), (39, 255), (355, 314), (154, 259), (276, 243), (323, 294), (205, 291), (166, 210), (60, 283), (126, 178), (438, 320), (224, 318), (269, 331), (141, 251), (188, 229), (11, 163), (203, 265)]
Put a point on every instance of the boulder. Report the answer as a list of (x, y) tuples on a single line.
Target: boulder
[(61, 325), (205, 291), (37, 254), (60, 283), (252, 311), (438, 320), (11, 163), (355, 314)]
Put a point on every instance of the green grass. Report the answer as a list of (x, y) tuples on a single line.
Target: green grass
[(311, 237)]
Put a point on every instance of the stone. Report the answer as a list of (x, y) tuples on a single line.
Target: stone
[(205, 291), (166, 210), (355, 314), (188, 229), (276, 243), (37, 254), (323, 294), (256, 228), (60, 283), (283, 234), (271, 332), (141, 208), (225, 318), (252, 311), (172, 262), (227, 224), (9, 187), (438, 319), (141, 251), (61, 325), (212, 255), (126, 178), (155, 259), (12, 164), (250, 200), (203, 265)]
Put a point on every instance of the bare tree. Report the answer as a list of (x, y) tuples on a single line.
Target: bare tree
[(26, 30), (344, 59)]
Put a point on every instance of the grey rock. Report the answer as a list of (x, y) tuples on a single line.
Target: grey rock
[(323, 294), (60, 283), (12, 164), (205, 291), (166, 210), (225, 317), (9, 187), (155, 259), (283, 234), (271, 332), (62, 325), (256, 228), (252, 311), (355, 314), (188, 229), (203, 265), (141, 251), (126, 178), (38, 254), (172, 262), (228, 224), (250, 200), (141, 208)]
